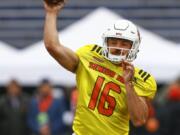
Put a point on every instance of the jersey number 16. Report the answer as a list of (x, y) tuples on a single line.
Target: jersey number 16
[(104, 97)]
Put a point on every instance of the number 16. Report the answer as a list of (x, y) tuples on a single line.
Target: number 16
[(105, 97)]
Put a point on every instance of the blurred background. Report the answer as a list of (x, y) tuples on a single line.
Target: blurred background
[(32, 83)]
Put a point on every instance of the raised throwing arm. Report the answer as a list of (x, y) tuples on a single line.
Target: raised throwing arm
[(63, 55)]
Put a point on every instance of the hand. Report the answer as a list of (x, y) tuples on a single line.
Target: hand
[(128, 71), (44, 130), (54, 8)]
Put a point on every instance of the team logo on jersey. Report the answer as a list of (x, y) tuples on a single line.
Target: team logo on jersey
[(98, 59)]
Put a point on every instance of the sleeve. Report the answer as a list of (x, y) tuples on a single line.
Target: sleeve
[(79, 51), (146, 88), (83, 50), (31, 117), (82, 54), (57, 124)]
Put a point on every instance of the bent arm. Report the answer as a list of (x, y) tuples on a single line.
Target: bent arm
[(137, 106), (63, 55)]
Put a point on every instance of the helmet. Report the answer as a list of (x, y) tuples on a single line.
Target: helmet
[(122, 29)]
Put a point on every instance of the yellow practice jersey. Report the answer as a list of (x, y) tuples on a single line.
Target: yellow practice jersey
[(102, 107)]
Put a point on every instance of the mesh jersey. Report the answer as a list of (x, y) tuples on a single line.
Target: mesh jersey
[(101, 107)]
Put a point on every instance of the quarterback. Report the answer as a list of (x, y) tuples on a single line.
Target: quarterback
[(111, 90)]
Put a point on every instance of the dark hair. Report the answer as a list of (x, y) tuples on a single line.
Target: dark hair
[(14, 81), (44, 81)]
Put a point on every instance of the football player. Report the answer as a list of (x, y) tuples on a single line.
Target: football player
[(111, 90)]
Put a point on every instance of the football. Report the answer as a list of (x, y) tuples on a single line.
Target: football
[(54, 2)]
